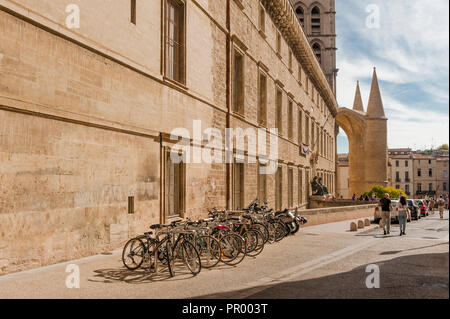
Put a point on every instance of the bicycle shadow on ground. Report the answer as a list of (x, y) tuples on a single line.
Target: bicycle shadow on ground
[(141, 275)]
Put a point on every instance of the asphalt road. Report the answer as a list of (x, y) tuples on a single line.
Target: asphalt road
[(325, 261)]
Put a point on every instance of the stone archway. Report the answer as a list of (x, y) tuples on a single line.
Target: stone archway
[(367, 136)]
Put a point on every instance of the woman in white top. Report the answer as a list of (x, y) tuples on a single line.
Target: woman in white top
[(403, 211)]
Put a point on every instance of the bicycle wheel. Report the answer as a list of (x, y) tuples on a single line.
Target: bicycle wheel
[(263, 229), (255, 242), (191, 257), (170, 257), (233, 249), (133, 254), (209, 250), (277, 231)]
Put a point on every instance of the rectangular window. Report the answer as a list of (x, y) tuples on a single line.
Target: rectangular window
[(238, 82), (279, 188), (279, 43), (407, 188), (430, 172), (397, 186), (262, 109), (291, 188), (174, 187), (419, 172), (406, 163), (397, 163), (300, 74), (307, 181), (290, 60), (131, 205), (279, 111), (300, 127), (262, 19), (307, 84), (238, 186), (313, 137), (407, 177), (419, 187), (300, 186), (429, 162), (307, 130), (445, 174), (262, 186), (444, 187), (291, 120), (174, 41), (133, 11), (430, 187)]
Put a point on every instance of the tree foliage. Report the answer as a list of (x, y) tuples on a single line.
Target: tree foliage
[(443, 147), (379, 191)]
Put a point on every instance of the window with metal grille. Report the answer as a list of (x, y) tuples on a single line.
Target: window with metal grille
[(238, 186), (174, 187), (290, 188), (279, 111), (238, 82), (291, 120), (262, 186), (300, 127), (279, 188), (174, 40), (262, 99), (300, 186), (318, 52), (307, 130)]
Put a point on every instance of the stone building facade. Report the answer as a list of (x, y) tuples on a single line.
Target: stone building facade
[(430, 175), (343, 177), (86, 117), (318, 19), (402, 169)]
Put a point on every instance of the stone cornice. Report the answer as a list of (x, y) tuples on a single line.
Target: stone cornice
[(286, 20)]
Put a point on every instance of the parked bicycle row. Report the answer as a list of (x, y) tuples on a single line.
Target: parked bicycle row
[(225, 237)]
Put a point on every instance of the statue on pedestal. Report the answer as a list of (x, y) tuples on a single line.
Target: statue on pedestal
[(318, 188)]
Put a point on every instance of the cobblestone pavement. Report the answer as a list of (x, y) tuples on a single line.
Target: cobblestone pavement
[(324, 261)]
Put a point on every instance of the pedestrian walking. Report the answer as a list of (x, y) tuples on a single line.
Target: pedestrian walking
[(431, 206), (386, 207), (403, 214), (441, 204)]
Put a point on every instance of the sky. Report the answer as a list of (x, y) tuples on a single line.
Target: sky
[(409, 46)]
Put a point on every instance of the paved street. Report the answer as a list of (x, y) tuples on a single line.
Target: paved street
[(323, 261)]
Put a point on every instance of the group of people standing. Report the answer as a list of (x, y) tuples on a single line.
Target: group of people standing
[(404, 213)]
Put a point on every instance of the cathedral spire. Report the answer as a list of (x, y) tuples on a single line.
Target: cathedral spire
[(375, 107), (358, 104)]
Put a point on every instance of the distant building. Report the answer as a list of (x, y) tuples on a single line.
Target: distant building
[(343, 177), (402, 169)]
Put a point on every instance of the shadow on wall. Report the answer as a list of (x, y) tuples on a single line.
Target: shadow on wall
[(417, 276)]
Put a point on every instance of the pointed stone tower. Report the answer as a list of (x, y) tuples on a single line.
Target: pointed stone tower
[(376, 138), (375, 107), (367, 136), (358, 103)]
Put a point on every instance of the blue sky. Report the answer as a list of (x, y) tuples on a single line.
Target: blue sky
[(410, 50)]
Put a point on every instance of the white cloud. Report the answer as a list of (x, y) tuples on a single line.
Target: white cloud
[(411, 49)]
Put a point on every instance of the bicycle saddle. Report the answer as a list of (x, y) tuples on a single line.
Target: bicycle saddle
[(156, 226)]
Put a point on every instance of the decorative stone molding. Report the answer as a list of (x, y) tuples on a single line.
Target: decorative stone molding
[(285, 19)]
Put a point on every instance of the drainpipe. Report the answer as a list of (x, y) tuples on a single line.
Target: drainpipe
[(228, 99)]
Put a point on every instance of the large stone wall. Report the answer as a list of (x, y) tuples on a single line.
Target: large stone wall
[(85, 114)]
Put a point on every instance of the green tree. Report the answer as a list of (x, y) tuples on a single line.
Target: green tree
[(379, 191)]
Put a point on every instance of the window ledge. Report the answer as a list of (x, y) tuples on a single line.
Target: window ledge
[(175, 83)]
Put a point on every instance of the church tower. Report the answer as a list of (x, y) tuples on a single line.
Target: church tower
[(318, 19)]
